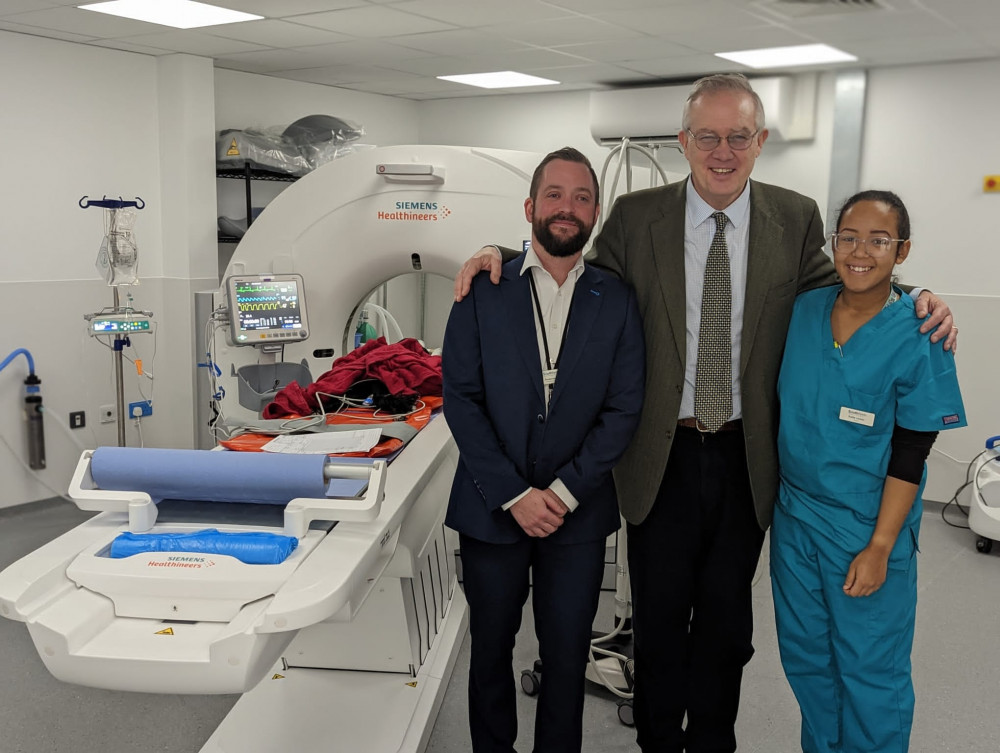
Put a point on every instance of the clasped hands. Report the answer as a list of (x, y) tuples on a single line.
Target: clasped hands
[(540, 512)]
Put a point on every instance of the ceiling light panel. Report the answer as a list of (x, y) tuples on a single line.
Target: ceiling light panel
[(180, 14), (499, 80), (780, 57)]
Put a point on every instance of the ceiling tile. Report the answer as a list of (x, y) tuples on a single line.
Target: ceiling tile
[(871, 25), (471, 14), (286, 8), (750, 38), (339, 74), (192, 43), (521, 60), (363, 51), (85, 22), (910, 56), (437, 66), (595, 72), (9, 7), (270, 61), (372, 21), (459, 42), (273, 33), (686, 66), (120, 44), (66, 36), (391, 87), (685, 18), (923, 49), (601, 6), (638, 48), (563, 31)]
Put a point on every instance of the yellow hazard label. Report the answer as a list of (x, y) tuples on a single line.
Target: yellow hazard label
[(276, 676), (234, 151), (411, 684), (165, 631)]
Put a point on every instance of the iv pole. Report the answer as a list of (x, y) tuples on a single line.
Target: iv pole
[(110, 254)]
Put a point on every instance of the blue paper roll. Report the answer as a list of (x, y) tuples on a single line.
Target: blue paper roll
[(252, 547), (259, 477)]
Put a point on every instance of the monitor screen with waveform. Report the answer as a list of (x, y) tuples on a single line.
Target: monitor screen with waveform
[(267, 309)]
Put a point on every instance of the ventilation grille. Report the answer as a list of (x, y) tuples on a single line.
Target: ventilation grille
[(792, 9)]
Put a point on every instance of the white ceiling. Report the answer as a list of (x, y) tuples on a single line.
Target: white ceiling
[(397, 47)]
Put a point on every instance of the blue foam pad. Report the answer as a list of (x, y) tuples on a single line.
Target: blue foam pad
[(252, 548)]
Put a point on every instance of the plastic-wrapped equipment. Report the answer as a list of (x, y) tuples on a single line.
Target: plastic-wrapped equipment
[(295, 149), (251, 547)]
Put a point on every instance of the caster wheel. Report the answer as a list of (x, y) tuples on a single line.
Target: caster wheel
[(531, 682), (629, 671), (984, 545), (625, 713)]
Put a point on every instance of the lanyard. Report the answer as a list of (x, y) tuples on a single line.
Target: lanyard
[(551, 368)]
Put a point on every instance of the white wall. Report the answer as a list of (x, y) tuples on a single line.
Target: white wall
[(76, 121), (541, 122), (929, 136)]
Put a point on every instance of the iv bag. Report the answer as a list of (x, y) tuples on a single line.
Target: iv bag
[(118, 260)]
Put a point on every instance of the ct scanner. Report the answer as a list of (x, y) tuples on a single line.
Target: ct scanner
[(350, 642)]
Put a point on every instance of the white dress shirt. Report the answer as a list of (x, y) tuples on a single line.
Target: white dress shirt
[(554, 301), (699, 229)]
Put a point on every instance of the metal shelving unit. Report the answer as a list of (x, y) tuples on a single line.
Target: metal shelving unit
[(248, 174)]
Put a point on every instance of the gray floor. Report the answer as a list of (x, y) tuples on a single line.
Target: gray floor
[(956, 668)]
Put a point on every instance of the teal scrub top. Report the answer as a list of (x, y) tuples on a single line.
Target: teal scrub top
[(838, 409)]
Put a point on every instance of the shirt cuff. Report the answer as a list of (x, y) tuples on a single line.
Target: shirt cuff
[(564, 494), (915, 293), (518, 498)]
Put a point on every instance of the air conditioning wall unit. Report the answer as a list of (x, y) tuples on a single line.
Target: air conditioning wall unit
[(652, 115)]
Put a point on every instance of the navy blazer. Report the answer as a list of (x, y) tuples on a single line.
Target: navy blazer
[(494, 402)]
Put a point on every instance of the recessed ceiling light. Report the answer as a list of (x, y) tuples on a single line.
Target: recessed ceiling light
[(499, 80), (776, 57), (181, 14)]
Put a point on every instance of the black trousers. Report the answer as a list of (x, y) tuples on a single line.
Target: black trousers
[(691, 563), (566, 586)]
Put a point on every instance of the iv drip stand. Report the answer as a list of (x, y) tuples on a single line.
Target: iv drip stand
[(119, 379)]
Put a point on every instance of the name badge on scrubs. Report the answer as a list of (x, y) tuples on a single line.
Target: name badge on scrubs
[(855, 416), (549, 376)]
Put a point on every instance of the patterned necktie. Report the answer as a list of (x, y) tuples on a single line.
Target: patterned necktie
[(713, 387)]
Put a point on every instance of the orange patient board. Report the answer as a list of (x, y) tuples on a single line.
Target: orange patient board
[(367, 416)]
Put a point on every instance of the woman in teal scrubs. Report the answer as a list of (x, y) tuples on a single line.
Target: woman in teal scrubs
[(863, 395)]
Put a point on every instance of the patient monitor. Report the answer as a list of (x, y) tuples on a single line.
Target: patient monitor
[(266, 308), (349, 643)]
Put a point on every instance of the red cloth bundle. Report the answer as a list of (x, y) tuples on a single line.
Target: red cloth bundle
[(405, 368)]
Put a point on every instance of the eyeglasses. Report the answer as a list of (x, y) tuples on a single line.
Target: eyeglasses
[(845, 243), (738, 142)]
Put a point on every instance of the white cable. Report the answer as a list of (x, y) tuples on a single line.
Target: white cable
[(953, 459), (600, 672)]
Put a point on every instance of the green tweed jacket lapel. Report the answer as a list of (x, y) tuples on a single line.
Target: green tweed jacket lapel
[(765, 264), (667, 241)]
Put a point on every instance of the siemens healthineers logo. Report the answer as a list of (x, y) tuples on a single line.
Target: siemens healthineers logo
[(414, 211)]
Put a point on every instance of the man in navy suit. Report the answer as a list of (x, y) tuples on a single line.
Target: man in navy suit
[(543, 385)]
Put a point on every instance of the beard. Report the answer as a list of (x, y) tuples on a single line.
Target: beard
[(561, 245)]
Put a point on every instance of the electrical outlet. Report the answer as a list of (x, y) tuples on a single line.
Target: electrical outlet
[(140, 409), (107, 413), (77, 419)]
